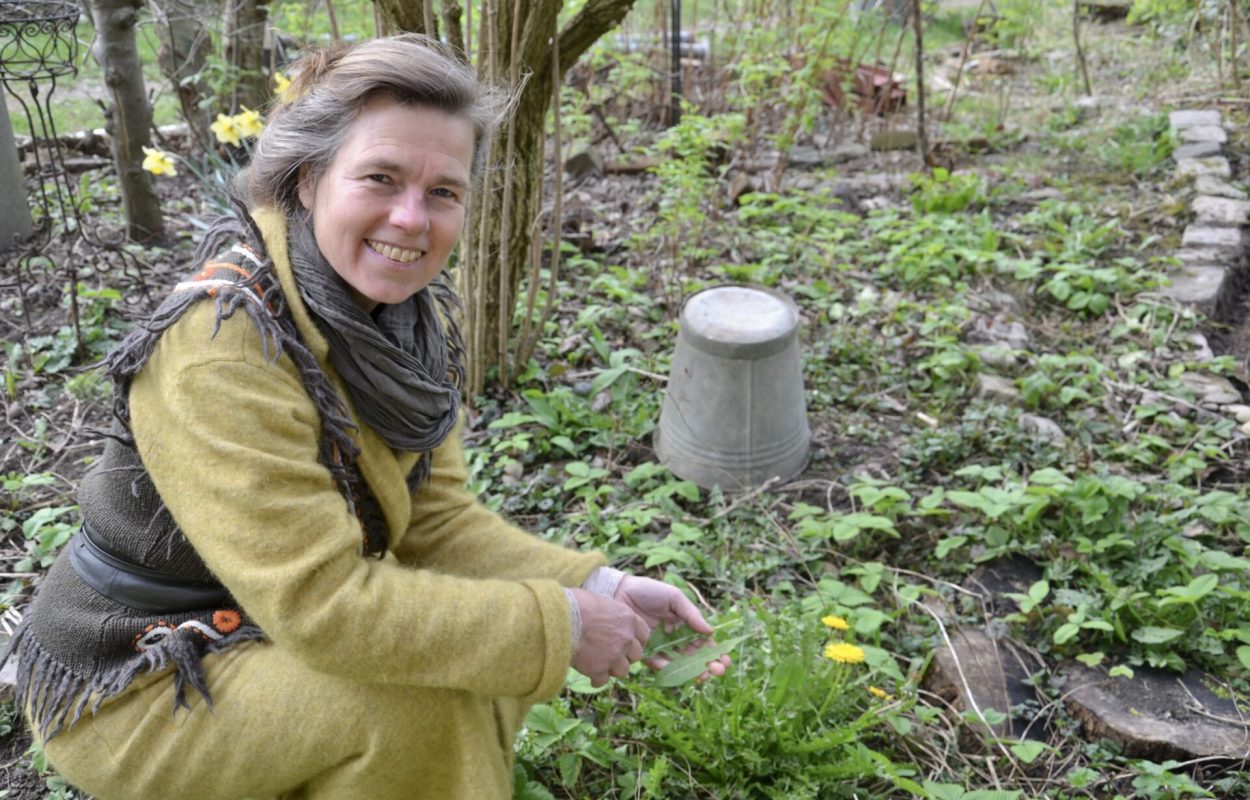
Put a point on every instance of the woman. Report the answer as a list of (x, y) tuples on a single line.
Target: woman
[(278, 545)]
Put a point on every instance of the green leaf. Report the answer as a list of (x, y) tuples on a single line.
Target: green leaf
[(1028, 751), (1149, 634), (1066, 633), (684, 669), (1121, 671), (1243, 655), (1091, 659)]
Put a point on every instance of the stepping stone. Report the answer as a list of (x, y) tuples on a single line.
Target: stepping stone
[(1196, 150), (1214, 389), (1204, 133), (1189, 119), (1187, 167), (1227, 241), (996, 387), (1203, 257), (1220, 211), (1198, 286), (1209, 184), (1157, 715), (977, 671)]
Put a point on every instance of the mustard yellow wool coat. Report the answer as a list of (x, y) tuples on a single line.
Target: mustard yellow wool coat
[(403, 677)]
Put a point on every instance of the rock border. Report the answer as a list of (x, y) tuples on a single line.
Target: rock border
[(1215, 243)]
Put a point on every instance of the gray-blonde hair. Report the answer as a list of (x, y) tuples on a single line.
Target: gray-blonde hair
[(329, 87)]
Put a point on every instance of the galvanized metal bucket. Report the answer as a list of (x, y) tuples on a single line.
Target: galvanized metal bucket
[(734, 414)]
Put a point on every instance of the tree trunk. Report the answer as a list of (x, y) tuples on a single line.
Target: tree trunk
[(245, 52), (185, 47), (130, 117), (498, 266)]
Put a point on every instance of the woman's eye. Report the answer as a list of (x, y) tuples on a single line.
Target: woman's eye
[(378, 178), (445, 193)]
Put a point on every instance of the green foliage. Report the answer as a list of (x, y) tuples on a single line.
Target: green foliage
[(945, 192)]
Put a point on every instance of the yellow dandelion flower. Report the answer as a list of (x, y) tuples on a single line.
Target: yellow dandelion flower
[(226, 129), (879, 693), (158, 162), (844, 653), (249, 122), (835, 622), (282, 87)]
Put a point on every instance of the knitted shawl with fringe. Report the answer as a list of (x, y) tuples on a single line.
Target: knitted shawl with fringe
[(76, 648)]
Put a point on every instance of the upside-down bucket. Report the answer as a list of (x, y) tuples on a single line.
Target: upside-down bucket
[(734, 414)]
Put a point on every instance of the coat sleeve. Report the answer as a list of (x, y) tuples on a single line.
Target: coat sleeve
[(451, 531), (231, 441)]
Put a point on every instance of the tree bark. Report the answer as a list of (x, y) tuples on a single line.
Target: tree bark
[(185, 47), (245, 52), (130, 116), (534, 53)]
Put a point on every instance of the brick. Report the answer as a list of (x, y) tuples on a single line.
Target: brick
[(1192, 118), (1197, 150), (1204, 133), (1221, 210), (1196, 286), (1209, 184), (1194, 167), (1228, 241)]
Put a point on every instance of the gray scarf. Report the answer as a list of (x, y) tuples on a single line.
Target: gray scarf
[(402, 369)]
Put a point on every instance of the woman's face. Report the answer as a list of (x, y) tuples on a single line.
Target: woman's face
[(388, 211)]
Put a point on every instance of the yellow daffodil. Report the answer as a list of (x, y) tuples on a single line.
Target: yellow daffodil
[(844, 653), (249, 122), (226, 129), (282, 87), (879, 693), (158, 162), (835, 622)]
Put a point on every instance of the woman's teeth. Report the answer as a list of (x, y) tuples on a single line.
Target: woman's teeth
[(396, 253)]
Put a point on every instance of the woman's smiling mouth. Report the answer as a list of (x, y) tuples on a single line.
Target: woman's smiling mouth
[(394, 253)]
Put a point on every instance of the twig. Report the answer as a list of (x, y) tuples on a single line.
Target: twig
[(758, 490)]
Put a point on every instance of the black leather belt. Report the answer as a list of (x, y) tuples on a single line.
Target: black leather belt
[(135, 585)]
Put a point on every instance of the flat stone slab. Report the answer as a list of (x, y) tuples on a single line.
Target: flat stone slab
[(1202, 257), (1213, 389), (1198, 286), (996, 387), (985, 673), (1228, 241), (1209, 184), (1221, 210), (1203, 133), (1194, 167), (1193, 118), (1158, 715), (1197, 150)]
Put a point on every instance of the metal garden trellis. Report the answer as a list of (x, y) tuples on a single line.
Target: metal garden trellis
[(39, 49)]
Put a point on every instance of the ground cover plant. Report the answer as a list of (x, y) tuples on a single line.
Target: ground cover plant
[(1032, 254)]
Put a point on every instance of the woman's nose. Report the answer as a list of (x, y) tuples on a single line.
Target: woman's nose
[(410, 212)]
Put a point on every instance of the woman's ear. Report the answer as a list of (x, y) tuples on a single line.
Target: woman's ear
[(307, 187)]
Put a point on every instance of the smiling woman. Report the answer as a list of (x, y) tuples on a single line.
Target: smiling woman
[(280, 522)]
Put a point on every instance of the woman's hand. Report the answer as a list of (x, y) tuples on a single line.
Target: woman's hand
[(659, 603), (613, 636)]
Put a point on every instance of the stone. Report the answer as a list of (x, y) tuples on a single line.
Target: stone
[(1212, 389), (848, 152), (1240, 412), (998, 356), (999, 330), (977, 671), (996, 387), (1203, 133), (1202, 348), (1226, 241), (1221, 211), (1193, 167), (1157, 714), (1196, 150), (805, 156), (585, 163), (1043, 427), (1180, 120), (1044, 193), (1209, 184), (1202, 256), (8, 677), (1199, 286)]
